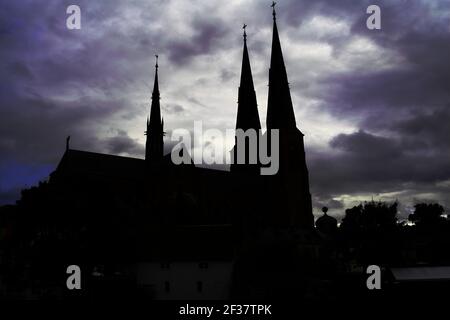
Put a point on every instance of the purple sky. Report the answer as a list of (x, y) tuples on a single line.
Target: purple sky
[(374, 105)]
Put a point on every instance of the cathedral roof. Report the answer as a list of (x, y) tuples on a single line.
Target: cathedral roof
[(100, 164), (77, 162)]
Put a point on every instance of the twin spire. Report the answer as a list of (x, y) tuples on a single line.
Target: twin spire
[(288, 196), (154, 145), (247, 115), (280, 112)]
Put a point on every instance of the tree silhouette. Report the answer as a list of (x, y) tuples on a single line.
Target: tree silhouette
[(369, 232), (427, 214), (371, 215)]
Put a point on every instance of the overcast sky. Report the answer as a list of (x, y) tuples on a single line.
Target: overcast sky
[(374, 105)]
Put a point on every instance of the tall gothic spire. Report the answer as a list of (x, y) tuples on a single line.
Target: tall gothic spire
[(291, 192), (154, 145), (280, 112), (247, 114)]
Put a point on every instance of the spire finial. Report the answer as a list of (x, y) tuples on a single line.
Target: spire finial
[(273, 10), (245, 33), (156, 65)]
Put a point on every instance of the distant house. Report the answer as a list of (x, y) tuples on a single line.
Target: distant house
[(196, 263), (419, 283)]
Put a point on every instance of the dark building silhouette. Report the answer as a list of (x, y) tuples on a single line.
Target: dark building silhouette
[(287, 193), (326, 224), (286, 200), (147, 228), (148, 217)]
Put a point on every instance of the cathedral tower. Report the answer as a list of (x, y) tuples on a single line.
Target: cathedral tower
[(291, 187), (247, 115), (154, 146)]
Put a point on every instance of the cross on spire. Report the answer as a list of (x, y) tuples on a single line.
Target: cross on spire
[(273, 10), (156, 65), (245, 33)]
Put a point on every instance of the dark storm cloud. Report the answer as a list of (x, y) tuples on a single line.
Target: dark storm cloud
[(226, 75), (368, 164), (366, 145), (426, 129), (299, 10), (20, 70), (123, 144), (417, 31), (173, 108), (205, 40), (418, 35), (371, 158), (402, 110), (34, 128), (56, 83)]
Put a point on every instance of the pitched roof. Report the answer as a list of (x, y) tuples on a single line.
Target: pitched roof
[(84, 162)]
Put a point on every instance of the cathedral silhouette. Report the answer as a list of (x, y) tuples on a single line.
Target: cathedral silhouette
[(182, 231), (286, 198), (149, 229)]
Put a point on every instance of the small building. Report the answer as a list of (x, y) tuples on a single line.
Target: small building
[(419, 283), (193, 262)]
